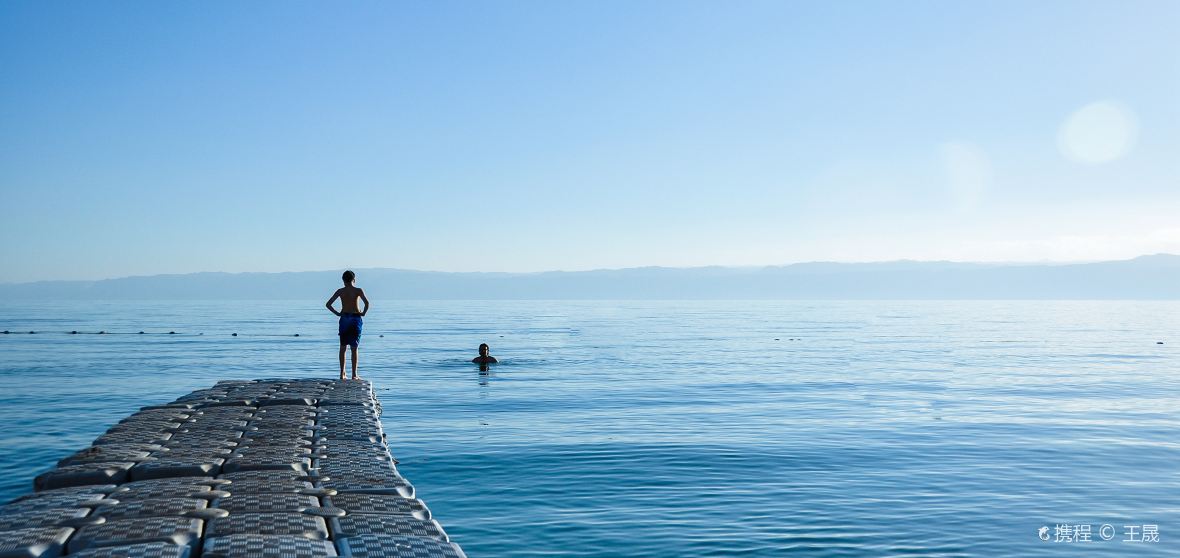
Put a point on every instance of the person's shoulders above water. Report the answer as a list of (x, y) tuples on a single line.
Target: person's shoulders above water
[(484, 360)]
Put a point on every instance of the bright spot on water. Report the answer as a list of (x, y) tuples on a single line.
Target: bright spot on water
[(1098, 133)]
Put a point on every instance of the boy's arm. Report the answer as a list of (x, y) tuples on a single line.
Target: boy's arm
[(365, 300), (335, 296)]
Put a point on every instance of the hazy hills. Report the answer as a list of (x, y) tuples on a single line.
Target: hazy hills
[(1145, 277)]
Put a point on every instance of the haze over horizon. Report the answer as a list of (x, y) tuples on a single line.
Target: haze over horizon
[(530, 136), (1155, 277), (606, 269)]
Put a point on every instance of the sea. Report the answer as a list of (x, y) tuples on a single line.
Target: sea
[(684, 428)]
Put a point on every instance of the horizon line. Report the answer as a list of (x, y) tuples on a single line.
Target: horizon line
[(601, 269)]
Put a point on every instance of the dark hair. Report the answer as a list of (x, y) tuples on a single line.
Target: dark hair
[(483, 346), (348, 277)]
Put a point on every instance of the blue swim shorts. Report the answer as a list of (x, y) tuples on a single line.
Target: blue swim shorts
[(350, 329)]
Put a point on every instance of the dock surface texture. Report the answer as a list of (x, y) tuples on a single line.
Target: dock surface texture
[(265, 468)]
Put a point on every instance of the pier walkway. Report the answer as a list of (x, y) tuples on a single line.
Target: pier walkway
[(245, 469)]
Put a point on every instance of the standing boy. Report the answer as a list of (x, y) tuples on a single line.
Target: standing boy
[(350, 318)]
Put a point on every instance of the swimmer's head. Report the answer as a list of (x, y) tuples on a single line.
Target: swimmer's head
[(348, 277), (483, 349)]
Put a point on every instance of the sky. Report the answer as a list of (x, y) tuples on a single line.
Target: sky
[(141, 138)]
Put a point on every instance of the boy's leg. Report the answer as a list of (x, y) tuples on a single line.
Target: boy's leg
[(342, 346), (354, 376)]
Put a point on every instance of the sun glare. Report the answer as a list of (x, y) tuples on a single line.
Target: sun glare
[(1098, 133)]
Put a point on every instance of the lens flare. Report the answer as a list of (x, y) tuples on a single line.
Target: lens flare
[(1098, 133)]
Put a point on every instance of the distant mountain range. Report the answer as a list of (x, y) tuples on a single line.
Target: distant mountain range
[(1145, 277)]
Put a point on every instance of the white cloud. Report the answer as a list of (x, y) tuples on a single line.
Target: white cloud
[(1076, 247)]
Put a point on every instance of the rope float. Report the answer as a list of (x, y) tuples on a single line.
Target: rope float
[(105, 332)]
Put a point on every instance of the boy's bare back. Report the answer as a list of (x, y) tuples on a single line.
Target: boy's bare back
[(348, 299), (350, 317)]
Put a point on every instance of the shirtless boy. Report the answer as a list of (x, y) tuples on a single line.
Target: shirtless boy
[(350, 318), (484, 357)]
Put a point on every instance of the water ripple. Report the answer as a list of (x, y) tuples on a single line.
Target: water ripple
[(684, 428)]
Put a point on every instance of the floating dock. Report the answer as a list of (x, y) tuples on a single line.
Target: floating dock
[(246, 469)]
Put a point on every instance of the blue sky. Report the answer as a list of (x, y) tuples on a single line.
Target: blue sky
[(143, 138)]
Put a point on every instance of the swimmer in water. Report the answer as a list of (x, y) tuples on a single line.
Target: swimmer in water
[(484, 357)]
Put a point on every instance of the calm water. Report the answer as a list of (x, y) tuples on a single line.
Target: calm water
[(684, 428)]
